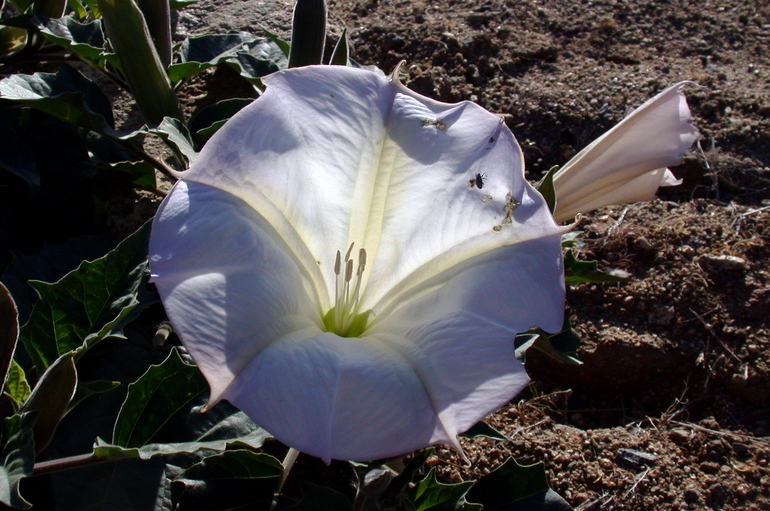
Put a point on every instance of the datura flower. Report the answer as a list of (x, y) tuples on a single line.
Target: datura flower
[(348, 262), (628, 163)]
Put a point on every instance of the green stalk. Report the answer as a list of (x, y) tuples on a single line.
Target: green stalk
[(157, 15), (139, 61)]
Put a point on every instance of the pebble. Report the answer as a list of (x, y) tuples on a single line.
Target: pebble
[(725, 262), (679, 436), (692, 496), (635, 459)]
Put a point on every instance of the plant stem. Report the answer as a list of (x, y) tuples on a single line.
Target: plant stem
[(288, 462), (72, 462)]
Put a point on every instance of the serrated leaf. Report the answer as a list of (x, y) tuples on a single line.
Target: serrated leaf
[(68, 95), (175, 134), (16, 386), (511, 487), (431, 495), (18, 457), (51, 397), (320, 498), (157, 395), (231, 480), (485, 430), (89, 303), (586, 271)]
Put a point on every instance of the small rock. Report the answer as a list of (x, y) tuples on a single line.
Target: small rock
[(617, 272), (679, 436), (635, 459), (692, 496), (724, 262), (709, 467)]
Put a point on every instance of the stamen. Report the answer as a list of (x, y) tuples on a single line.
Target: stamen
[(346, 300)]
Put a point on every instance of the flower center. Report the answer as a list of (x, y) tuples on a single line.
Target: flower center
[(344, 319)]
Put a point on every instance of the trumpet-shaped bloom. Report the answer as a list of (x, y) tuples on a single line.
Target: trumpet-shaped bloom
[(348, 263), (628, 163)]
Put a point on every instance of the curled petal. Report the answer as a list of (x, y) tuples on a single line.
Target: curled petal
[(628, 162)]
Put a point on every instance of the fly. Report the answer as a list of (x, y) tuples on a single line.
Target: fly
[(477, 181)]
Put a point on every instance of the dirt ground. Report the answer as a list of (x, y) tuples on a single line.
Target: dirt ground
[(671, 407)]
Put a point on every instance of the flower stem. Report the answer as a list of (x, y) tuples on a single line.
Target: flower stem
[(288, 462)]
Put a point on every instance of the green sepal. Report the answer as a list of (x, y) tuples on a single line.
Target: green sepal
[(546, 189)]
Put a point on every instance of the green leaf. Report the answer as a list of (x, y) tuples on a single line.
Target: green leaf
[(561, 346), (140, 174), (282, 45), (586, 271), (16, 157), (209, 119), (308, 33), (175, 134), (157, 395), (261, 58), (51, 397), (18, 457), (431, 495), (407, 475), (68, 95), (341, 51), (231, 480), (9, 330), (86, 40), (485, 430), (16, 386), (202, 52), (320, 498), (546, 189), (86, 389), (253, 440), (90, 303), (513, 487)]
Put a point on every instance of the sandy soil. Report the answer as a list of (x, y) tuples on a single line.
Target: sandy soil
[(676, 362)]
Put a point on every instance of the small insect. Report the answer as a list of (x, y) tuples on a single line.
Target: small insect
[(434, 122), (477, 181)]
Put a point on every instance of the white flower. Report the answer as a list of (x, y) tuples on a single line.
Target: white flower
[(628, 163), (348, 262)]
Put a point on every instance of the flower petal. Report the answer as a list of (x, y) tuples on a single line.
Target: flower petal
[(226, 304), (653, 136), (429, 372), (334, 156)]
